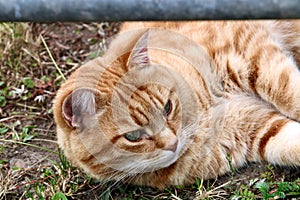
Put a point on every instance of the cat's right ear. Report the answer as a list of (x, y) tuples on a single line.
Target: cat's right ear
[(139, 56), (78, 107)]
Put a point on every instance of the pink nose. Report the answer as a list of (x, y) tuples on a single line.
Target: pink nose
[(171, 146)]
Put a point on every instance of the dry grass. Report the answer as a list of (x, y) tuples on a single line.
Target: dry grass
[(30, 162)]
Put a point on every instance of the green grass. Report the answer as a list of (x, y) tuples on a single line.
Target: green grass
[(58, 181), (268, 188)]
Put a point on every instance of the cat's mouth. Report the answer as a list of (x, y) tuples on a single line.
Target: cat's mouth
[(166, 159), (158, 160), (139, 163)]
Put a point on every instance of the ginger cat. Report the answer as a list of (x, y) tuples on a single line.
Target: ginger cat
[(172, 101)]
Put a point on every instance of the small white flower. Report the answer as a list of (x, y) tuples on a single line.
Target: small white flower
[(39, 98), (19, 91)]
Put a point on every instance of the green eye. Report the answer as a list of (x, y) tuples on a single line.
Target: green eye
[(134, 136), (167, 108)]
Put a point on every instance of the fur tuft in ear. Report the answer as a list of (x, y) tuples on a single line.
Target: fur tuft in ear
[(139, 56), (78, 107)]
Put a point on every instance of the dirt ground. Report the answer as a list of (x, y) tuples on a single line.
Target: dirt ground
[(30, 163)]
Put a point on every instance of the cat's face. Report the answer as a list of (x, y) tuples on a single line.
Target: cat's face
[(152, 122), (132, 121)]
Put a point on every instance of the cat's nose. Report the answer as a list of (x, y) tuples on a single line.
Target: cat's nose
[(172, 145)]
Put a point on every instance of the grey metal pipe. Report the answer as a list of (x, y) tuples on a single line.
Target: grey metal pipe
[(121, 10)]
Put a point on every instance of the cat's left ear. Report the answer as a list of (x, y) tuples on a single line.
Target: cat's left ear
[(139, 56)]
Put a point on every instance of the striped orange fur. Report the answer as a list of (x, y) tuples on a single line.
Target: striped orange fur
[(169, 101)]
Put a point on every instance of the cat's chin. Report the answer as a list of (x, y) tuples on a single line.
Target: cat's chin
[(147, 163), (168, 159)]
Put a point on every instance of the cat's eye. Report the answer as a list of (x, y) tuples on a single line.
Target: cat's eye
[(167, 108), (134, 136)]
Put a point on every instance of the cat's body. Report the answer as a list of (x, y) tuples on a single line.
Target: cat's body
[(242, 104)]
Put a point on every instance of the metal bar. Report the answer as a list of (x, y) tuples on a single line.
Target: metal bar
[(121, 10)]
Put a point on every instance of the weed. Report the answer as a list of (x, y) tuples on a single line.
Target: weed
[(232, 169), (106, 194), (277, 190), (3, 161), (3, 94), (2, 101), (28, 82), (269, 174), (3, 129), (58, 182), (268, 190), (26, 134), (59, 196), (244, 193)]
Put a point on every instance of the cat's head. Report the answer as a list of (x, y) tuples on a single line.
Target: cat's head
[(134, 117)]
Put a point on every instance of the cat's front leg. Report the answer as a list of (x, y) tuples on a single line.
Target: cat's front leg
[(284, 147)]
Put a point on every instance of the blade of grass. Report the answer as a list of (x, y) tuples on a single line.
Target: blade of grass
[(30, 145), (52, 59)]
